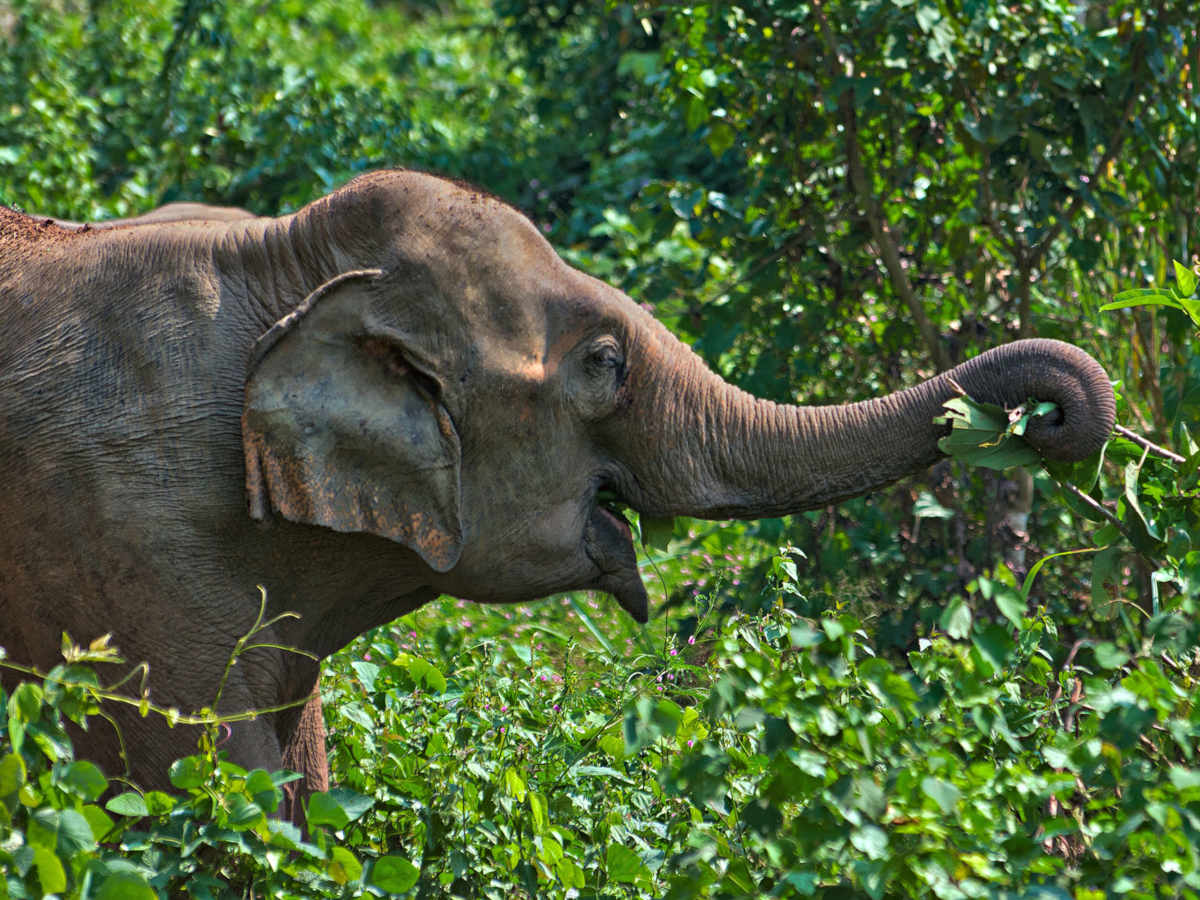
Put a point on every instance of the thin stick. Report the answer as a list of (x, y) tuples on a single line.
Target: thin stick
[(1152, 447), (1088, 501)]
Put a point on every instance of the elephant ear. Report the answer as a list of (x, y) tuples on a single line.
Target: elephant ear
[(343, 426)]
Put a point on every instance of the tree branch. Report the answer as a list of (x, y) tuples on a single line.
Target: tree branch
[(876, 215)]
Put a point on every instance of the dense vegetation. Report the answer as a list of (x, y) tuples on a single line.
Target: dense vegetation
[(893, 697)]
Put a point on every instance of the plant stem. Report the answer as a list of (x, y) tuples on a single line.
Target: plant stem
[(1149, 445)]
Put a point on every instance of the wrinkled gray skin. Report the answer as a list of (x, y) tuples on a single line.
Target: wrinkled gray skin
[(397, 392)]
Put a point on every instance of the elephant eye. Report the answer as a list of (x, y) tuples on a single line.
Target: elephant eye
[(604, 356)]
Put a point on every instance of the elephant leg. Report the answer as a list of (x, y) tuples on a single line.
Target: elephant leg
[(304, 752)]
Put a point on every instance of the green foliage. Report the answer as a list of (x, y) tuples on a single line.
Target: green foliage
[(915, 697), (983, 434), (65, 829), (765, 755)]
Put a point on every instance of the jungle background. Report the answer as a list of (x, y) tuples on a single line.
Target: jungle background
[(829, 201)]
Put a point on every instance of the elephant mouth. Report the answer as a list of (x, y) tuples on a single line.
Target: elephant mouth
[(613, 512), (608, 542)]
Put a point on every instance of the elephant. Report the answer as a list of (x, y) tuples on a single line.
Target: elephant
[(169, 212), (399, 391)]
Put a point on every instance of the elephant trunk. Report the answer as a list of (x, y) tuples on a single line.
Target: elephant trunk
[(717, 452)]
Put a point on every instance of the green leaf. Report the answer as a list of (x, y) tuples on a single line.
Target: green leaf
[(423, 671), (871, 840), (944, 794), (590, 624), (720, 138), (514, 784), (570, 874), (25, 704), (739, 880), (343, 866), (1145, 533), (12, 775), (1027, 585), (928, 507), (623, 865), (242, 812), (98, 820), (352, 803), (394, 874), (1184, 779), (1011, 606), (158, 802), (956, 619), (84, 779), (994, 646), (127, 804), (74, 833), (656, 532), (1105, 571), (125, 886), (262, 790), (325, 810), (1109, 656), (981, 435), (537, 811), (51, 875), (367, 672), (189, 772), (550, 850), (1185, 278), (1155, 297), (667, 716)]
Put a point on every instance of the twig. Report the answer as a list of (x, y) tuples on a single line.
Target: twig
[(1148, 445), (1089, 502)]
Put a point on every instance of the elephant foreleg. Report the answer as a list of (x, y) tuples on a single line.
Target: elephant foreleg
[(304, 752)]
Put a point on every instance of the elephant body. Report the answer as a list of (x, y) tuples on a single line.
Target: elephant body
[(123, 509), (397, 392), (168, 212)]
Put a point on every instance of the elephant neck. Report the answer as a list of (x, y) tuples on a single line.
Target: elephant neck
[(281, 261)]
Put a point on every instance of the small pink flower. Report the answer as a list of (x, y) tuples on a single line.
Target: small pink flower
[(692, 639)]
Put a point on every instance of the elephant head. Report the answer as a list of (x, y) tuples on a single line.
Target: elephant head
[(455, 387)]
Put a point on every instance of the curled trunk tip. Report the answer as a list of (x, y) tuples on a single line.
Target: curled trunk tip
[(1047, 370)]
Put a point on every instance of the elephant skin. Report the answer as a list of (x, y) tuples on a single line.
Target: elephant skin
[(397, 392), (168, 212)]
